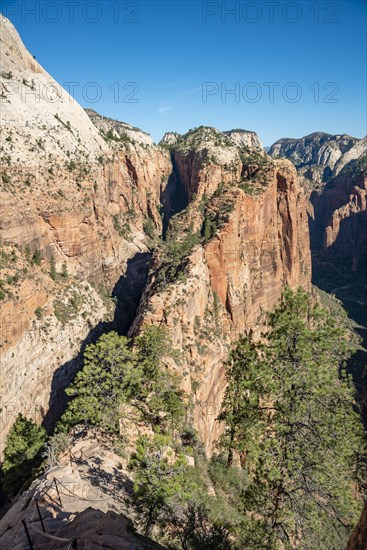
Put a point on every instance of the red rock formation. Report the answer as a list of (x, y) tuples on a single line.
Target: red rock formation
[(263, 247), (94, 228), (68, 198), (340, 213), (233, 280)]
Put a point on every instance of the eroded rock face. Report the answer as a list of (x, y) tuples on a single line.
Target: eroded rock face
[(244, 138), (73, 208), (233, 280), (358, 150), (206, 159), (319, 156), (238, 137), (39, 353), (333, 171), (118, 130), (77, 200), (264, 246), (169, 138), (340, 213)]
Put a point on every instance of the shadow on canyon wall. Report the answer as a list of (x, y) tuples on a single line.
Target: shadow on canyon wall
[(174, 197), (127, 293), (341, 270)]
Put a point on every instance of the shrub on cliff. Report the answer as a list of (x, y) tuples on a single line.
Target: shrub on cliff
[(172, 496), (22, 453), (149, 228), (160, 387), (159, 475), (209, 229), (174, 259)]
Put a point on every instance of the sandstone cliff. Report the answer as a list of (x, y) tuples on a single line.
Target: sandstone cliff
[(319, 156), (341, 216), (74, 207), (80, 204), (244, 138), (223, 287), (333, 169)]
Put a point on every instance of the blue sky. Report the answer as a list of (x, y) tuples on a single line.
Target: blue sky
[(293, 67)]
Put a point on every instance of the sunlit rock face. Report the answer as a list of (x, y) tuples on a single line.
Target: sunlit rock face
[(233, 280), (82, 197), (319, 156), (71, 197)]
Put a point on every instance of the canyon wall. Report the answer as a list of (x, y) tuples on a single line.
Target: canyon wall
[(333, 171), (318, 156), (340, 216), (73, 205), (231, 281), (82, 202)]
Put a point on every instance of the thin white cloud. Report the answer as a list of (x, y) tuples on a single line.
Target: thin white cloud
[(189, 92), (164, 107)]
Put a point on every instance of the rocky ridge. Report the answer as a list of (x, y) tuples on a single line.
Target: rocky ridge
[(88, 216), (72, 504), (120, 130), (319, 156), (222, 288), (244, 138), (74, 206)]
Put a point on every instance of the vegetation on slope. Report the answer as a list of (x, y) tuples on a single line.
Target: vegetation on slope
[(116, 373), (288, 411), (22, 455), (289, 462)]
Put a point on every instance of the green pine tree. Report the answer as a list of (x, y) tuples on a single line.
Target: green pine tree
[(53, 273), (115, 373), (161, 387), (159, 476), (209, 229), (64, 271), (295, 429), (110, 376), (22, 453), (241, 405), (36, 258)]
